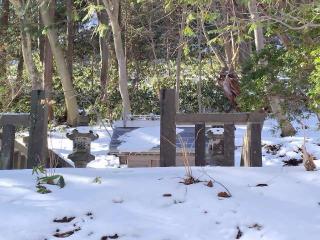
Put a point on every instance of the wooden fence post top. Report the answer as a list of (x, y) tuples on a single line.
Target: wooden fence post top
[(167, 128), (220, 118), (15, 119)]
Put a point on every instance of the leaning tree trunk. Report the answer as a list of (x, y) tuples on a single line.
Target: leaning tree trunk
[(3, 31), (26, 46), (104, 53), (179, 56), (286, 127), (48, 66), (69, 93), (112, 7), (70, 36)]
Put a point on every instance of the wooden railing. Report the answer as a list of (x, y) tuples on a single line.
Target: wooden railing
[(251, 154), (36, 121)]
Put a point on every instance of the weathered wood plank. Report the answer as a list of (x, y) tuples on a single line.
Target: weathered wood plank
[(37, 151), (167, 128), (7, 146), (251, 153), (15, 119), (200, 144), (229, 146), (16, 160), (219, 118)]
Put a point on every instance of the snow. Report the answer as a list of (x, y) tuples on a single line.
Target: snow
[(148, 137), (60, 144), (141, 139), (130, 203)]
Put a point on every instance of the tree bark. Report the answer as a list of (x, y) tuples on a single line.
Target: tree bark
[(179, 56), (104, 52), (112, 7), (70, 37), (3, 30), (16, 90), (199, 83), (26, 44), (286, 127), (48, 66), (69, 93)]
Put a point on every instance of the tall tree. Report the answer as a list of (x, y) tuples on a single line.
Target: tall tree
[(104, 49), (179, 55), (22, 11), (62, 66), (70, 36), (113, 7), (48, 65), (275, 102), (3, 30)]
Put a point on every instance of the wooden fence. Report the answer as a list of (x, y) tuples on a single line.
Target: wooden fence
[(36, 121), (251, 154)]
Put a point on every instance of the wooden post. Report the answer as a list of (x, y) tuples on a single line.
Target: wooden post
[(251, 153), (38, 130), (167, 128), (229, 146), (7, 146), (200, 144)]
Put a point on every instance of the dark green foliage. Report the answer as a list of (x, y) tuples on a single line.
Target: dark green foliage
[(314, 91), (46, 178), (275, 71)]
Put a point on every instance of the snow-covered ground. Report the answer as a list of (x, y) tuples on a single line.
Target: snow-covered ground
[(153, 204), (146, 138), (272, 203)]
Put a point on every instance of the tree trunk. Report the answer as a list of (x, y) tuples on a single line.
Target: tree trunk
[(104, 52), (48, 66), (179, 56), (69, 93), (22, 13), (112, 8), (286, 127), (70, 37), (258, 31), (3, 31), (16, 90), (199, 83), (27, 54)]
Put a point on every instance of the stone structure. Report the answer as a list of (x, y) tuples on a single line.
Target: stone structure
[(216, 147), (81, 147)]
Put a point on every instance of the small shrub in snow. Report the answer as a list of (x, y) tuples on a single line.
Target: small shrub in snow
[(47, 178), (97, 180)]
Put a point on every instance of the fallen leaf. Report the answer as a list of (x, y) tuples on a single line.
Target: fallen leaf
[(256, 226), (66, 234), (115, 236), (63, 220), (167, 195), (239, 233), (210, 184), (224, 195), (261, 185)]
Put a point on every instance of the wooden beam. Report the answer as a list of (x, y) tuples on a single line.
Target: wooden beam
[(200, 144), (219, 118), (229, 146), (251, 152), (15, 119), (167, 128), (7, 146), (37, 143)]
